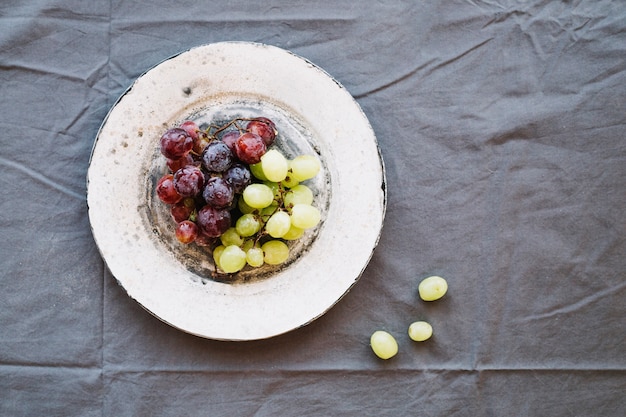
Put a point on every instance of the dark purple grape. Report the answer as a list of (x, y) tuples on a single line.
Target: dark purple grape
[(217, 157), (250, 148), (213, 222), (189, 181), (176, 143), (166, 191), (238, 176), (186, 231), (230, 138), (218, 193), (263, 127)]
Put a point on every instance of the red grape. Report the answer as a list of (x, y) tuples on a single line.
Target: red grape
[(166, 191), (200, 138), (182, 210), (176, 164), (176, 143), (250, 148), (191, 128), (230, 138), (186, 231), (263, 127)]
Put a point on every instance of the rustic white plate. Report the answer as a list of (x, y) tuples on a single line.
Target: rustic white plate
[(314, 114)]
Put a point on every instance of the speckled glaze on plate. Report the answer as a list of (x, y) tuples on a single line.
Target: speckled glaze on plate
[(313, 113)]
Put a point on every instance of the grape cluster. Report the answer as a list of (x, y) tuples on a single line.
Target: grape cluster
[(230, 190)]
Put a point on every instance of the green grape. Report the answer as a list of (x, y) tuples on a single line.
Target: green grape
[(275, 252), (305, 216), (278, 224), (258, 195), (300, 194), (267, 212), (233, 259), (276, 189), (289, 180), (420, 331), (231, 237), (294, 233), (383, 344), (274, 165), (217, 253), (247, 225), (243, 207), (254, 257), (432, 288), (304, 167), (257, 171), (247, 245)]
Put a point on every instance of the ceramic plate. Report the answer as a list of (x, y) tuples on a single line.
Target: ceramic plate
[(313, 113)]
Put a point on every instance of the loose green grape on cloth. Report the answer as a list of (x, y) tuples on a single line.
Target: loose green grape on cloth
[(383, 344), (432, 288), (420, 331)]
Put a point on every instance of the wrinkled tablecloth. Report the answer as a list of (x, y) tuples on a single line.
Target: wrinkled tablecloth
[(502, 126)]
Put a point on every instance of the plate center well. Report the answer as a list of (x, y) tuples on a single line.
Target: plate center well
[(294, 138)]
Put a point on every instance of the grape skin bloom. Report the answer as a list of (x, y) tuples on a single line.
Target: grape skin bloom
[(218, 193), (213, 222), (238, 176), (217, 157)]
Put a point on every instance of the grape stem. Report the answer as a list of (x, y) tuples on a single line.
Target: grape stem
[(219, 129)]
